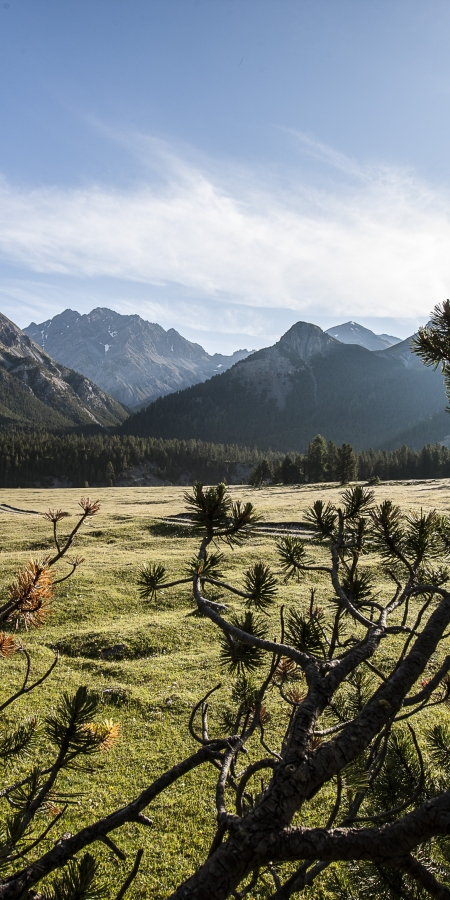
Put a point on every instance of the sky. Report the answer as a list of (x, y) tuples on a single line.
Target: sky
[(226, 167)]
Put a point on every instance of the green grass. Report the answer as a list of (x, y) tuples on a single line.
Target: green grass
[(150, 662)]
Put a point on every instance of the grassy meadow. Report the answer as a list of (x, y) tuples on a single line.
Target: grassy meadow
[(152, 662)]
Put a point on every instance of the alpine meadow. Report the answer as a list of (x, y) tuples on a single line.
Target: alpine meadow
[(224, 450)]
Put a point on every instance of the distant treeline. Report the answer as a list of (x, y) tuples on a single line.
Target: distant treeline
[(325, 461), (33, 460), (29, 460)]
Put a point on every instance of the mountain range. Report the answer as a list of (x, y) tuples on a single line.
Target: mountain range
[(131, 359), (307, 383), (37, 392), (352, 333), (279, 397)]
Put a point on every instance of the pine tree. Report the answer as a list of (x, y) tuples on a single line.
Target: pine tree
[(291, 470), (261, 475), (325, 746), (316, 459), (110, 474), (346, 464), (332, 461), (71, 734), (432, 343)]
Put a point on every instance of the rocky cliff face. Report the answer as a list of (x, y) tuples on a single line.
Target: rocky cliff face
[(13, 342), (133, 360), (36, 391), (270, 371)]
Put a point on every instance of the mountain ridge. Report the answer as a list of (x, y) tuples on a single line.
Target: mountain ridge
[(353, 333), (131, 359), (37, 391)]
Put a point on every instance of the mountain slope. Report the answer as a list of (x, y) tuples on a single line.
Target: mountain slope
[(352, 333), (37, 392), (133, 360), (307, 383)]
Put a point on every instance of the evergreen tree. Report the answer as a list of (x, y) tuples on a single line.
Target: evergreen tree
[(291, 470), (110, 474), (261, 475), (316, 459), (346, 464), (332, 461), (71, 736), (432, 343), (277, 477)]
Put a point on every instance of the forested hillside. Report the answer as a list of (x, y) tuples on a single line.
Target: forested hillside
[(307, 383)]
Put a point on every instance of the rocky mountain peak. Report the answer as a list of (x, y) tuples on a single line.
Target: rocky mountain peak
[(135, 361), (353, 333), (306, 341)]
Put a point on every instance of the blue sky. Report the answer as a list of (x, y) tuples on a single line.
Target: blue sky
[(226, 167)]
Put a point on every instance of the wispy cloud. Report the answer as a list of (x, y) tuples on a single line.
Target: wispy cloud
[(375, 243)]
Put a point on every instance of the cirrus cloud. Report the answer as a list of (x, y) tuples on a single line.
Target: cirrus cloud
[(374, 243)]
